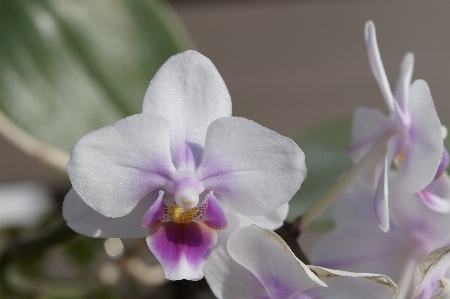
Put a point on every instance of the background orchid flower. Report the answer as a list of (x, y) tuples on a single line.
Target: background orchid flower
[(261, 265), (169, 172), (357, 244), (432, 276), (412, 131)]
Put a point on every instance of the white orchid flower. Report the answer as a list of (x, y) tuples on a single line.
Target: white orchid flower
[(177, 172)]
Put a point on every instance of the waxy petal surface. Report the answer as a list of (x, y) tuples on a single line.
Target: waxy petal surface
[(424, 152), (84, 220), (182, 249), (189, 93), (254, 169), (404, 81), (113, 168), (268, 257)]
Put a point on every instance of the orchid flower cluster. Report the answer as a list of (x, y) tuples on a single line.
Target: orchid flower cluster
[(207, 190)]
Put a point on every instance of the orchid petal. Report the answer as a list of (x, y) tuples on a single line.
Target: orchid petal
[(348, 285), (189, 93), (369, 126), (113, 168), (425, 148), (377, 65), (434, 202), (214, 216), (268, 257), (155, 214), (382, 190), (253, 168), (444, 164), (84, 220), (182, 249), (428, 273), (404, 81), (229, 280)]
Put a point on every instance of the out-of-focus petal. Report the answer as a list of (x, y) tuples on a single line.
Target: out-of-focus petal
[(429, 272), (253, 168), (434, 202), (382, 190), (348, 285), (268, 257), (229, 280), (84, 220), (425, 147), (113, 168), (377, 65), (189, 92), (443, 165), (369, 126), (182, 249), (404, 81)]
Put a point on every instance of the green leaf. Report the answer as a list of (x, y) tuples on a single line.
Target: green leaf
[(325, 150), (70, 67)]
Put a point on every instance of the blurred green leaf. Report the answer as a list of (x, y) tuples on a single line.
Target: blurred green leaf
[(325, 150), (70, 67)]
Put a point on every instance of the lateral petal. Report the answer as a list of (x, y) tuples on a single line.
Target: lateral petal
[(424, 153), (182, 249), (84, 220), (253, 168), (114, 167)]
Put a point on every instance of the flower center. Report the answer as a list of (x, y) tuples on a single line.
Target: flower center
[(179, 216), (398, 160)]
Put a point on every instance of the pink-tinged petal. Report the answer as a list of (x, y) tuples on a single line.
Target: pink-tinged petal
[(377, 65), (381, 199), (214, 216), (253, 168), (189, 92), (155, 214), (113, 168), (424, 152), (434, 202), (404, 81), (268, 257), (369, 126), (443, 165), (348, 285), (182, 249), (229, 280), (429, 273), (84, 220), (382, 190)]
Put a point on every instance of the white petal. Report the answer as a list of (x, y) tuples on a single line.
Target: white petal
[(424, 152), (253, 168), (229, 280), (189, 92), (84, 220), (404, 81), (113, 168), (377, 65), (428, 273), (268, 257), (348, 285)]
